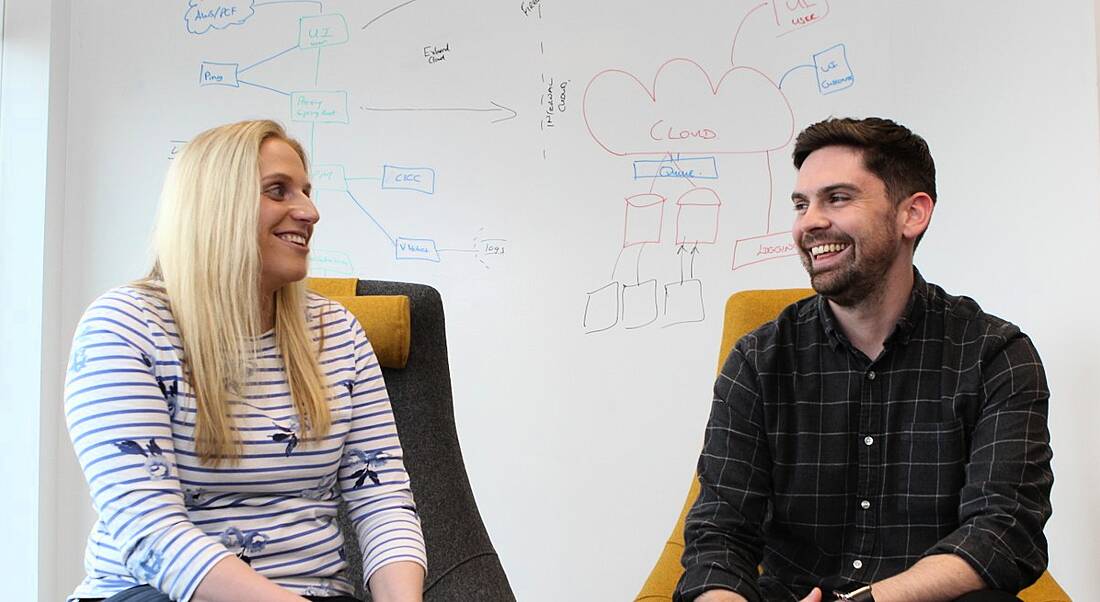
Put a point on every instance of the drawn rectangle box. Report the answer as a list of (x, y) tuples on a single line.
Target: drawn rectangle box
[(832, 69), (684, 301), (329, 176), (757, 249), (319, 106), (422, 249), (219, 74), (420, 179), (601, 308), (697, 217), (330, 263), (792, 16), (639, 304), (704, 168), (322, 30), (644, 217)]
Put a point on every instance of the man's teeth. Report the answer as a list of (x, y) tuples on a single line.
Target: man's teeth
[(829, 248), (294, 238)]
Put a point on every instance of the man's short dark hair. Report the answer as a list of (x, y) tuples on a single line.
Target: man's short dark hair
[(891, 151)]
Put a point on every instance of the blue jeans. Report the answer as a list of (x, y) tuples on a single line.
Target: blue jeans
[(147, 593)]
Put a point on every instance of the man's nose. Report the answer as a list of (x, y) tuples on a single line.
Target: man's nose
[(813, 218)]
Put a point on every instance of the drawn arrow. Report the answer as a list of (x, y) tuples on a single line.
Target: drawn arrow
[(509, 113), (694, 252), (681, 252)]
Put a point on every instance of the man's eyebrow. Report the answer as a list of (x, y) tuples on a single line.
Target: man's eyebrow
[(840, 186)]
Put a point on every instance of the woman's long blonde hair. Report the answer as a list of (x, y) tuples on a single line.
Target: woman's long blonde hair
[(208, 265)]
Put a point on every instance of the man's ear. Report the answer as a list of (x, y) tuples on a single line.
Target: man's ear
[(915, 215)]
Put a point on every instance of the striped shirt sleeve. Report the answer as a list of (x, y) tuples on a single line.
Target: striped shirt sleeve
[(118, 419), (372, 475)]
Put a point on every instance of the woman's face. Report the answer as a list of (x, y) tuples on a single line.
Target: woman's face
[(287, 216)]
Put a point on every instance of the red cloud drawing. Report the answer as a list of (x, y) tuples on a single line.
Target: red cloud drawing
[(685, 112)]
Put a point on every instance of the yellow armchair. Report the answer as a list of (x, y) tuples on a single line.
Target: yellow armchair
[(744, 312)]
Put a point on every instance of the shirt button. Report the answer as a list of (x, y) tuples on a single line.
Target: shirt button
[(871, 375), (865, 504), (858, 564), (868, 440)]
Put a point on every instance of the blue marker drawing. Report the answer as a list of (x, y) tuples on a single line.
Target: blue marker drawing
[(269, 89), (319, 106), (218, 74), (833, 71), (790, 71), (330, 263), (262, 61), (329, 176), (204, 15), (705, 168), (420, 179), (422, 249), (368, 214), (320, 6), (321, 31)]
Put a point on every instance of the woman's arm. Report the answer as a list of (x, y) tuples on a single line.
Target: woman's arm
[(398, 582), (118, 416), (374, 482), (231, 580)]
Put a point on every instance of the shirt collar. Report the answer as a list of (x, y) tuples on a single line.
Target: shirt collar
[(910, 318)]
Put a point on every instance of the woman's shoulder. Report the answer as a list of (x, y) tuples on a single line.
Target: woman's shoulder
[(135, 312), (325, 311), (134, 298)]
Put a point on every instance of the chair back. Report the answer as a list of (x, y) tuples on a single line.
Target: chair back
[(462, 563), (745, 311)]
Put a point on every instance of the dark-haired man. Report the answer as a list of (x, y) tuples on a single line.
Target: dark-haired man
[(882, 440)]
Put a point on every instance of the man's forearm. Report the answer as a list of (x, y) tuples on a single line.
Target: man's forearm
[(938, 578), (720, 595)]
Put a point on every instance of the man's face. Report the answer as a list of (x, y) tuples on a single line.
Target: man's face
[(846, 227)]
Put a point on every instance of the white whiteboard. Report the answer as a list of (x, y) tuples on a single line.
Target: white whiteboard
[(586, 182)]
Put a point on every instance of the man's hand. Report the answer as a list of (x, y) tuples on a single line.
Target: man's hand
[(815, 596)]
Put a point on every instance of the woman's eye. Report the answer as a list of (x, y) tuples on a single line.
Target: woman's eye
[(275, 192)]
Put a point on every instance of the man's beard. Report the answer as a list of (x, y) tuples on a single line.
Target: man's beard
[(864, 275)]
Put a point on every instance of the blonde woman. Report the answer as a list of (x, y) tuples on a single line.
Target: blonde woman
[(220, 412)]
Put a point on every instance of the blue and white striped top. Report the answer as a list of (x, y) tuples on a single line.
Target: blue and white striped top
[(165, 519)]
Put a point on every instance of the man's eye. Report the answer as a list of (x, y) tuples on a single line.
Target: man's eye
[(800, 206), (838, 198)]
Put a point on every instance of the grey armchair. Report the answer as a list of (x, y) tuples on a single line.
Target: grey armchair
[(462, 564)]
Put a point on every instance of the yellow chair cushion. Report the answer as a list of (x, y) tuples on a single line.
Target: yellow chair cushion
[(333, 287), (745, 311), (385, 318)]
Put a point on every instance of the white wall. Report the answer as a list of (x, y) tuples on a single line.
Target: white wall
[(33, 109), (62, 250)]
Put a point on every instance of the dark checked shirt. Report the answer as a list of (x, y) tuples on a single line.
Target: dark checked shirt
[(828, 468)]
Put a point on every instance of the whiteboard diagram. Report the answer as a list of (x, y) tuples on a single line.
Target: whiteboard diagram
[(676, 127), (314, 105)]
